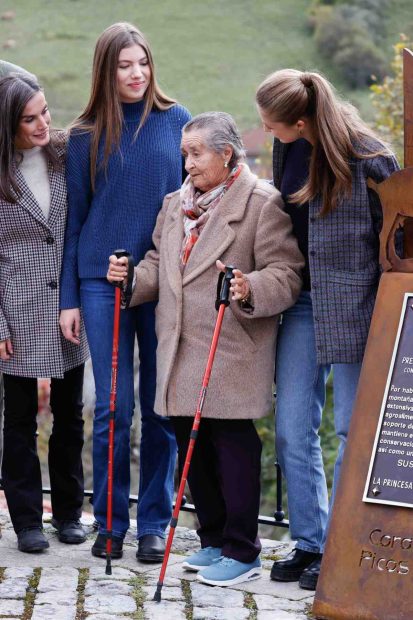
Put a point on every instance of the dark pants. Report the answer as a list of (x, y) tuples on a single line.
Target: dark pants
[(224, 480), (21, 473)]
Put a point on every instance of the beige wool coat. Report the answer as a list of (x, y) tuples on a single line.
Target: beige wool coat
[(248, 230)]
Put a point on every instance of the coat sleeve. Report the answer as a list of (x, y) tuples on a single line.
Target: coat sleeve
[(79, 198), (276, 281), (4, 328), (379, 169), (147, 271)]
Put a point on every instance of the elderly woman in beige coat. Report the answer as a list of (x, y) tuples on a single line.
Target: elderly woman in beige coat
[(222, 215)]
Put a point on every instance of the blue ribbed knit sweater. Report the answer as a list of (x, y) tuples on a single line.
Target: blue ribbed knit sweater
[(123, 209)]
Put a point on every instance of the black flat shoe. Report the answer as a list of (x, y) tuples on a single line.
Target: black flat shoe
[(69, 531), (31, 540), (309, 577), (293, 565), (99, 547), (151, 548)]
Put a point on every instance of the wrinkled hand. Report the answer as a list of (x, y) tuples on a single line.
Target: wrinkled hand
[(240, 287), (69, 322), (6, 349), (118, 269)]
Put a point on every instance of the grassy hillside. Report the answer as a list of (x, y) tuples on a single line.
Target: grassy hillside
[(210, 55)]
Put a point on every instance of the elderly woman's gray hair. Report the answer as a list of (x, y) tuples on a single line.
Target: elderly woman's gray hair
[(220, 131)]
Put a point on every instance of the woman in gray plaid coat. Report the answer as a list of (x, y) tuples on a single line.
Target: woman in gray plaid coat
[(323, 156), (32, 224)]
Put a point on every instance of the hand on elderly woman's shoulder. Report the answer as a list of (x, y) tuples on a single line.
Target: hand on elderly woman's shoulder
[(240, 286)]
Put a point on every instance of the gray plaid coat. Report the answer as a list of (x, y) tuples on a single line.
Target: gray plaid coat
[(31, 250), (343, 252)]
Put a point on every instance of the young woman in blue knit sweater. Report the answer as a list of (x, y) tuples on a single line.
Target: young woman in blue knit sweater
[(123, 157)]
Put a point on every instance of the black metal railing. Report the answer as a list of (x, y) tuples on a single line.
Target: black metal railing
[(276, 520)]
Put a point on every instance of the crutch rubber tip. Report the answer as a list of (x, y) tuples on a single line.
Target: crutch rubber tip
[(108, 570), (157, 595)]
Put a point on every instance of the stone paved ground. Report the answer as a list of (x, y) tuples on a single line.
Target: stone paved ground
[(67, 583)]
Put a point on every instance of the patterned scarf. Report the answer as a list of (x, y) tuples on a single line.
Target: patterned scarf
[(197, 208)]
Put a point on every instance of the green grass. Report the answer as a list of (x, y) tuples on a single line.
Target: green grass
[(209, 55)]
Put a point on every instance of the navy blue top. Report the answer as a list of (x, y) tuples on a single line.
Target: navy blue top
[(294, 176), (122, 211)]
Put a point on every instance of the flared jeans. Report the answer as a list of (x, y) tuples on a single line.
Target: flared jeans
[(158, 445)]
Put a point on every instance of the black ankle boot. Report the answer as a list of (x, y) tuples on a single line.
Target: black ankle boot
[(99, 547), (31, 540), (293, 565), (309, 577)]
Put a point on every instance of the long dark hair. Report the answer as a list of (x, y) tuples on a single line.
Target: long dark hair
[(289, 95), (15, 92), (104, 110)]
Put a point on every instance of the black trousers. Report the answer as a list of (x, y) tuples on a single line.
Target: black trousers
[(224, 480), (21, 475)]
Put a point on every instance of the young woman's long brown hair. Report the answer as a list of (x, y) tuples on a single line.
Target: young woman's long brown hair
[(15, 92), (104, 110), (287, 96)]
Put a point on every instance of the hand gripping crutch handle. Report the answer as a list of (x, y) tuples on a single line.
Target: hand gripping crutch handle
[(127, 293), (223, 286)]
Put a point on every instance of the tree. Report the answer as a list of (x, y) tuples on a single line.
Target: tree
[(350, 34), (387, 99)]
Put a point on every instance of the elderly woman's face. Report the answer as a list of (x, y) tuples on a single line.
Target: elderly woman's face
[(206, 167)]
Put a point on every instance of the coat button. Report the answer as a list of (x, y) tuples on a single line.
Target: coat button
[(52, 284), (312, 252), (49, 240), (312, 219)]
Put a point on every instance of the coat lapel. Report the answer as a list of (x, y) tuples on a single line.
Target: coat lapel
[(174, 236), (27, 200), (58, 195), (218, 233)]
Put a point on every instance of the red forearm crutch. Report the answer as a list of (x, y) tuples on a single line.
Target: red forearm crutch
[(112, 409), (221, 303)]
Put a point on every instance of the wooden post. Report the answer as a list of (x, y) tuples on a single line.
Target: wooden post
[(408, 107)]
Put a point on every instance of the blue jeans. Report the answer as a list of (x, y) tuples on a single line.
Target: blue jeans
[(301, 395), (158, 445)]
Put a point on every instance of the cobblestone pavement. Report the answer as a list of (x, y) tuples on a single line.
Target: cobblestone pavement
[(67, 583)]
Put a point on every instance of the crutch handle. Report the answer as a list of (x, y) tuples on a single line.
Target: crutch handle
[(127, 293), (223, 286)]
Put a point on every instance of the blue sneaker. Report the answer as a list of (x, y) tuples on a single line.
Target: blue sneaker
[(228, 572), (202, 559)]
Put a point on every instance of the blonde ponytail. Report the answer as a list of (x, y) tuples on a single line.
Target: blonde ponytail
[(289, 95)]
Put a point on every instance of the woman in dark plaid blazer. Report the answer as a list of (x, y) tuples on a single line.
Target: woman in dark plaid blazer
[(323, 156), (32, 224)]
